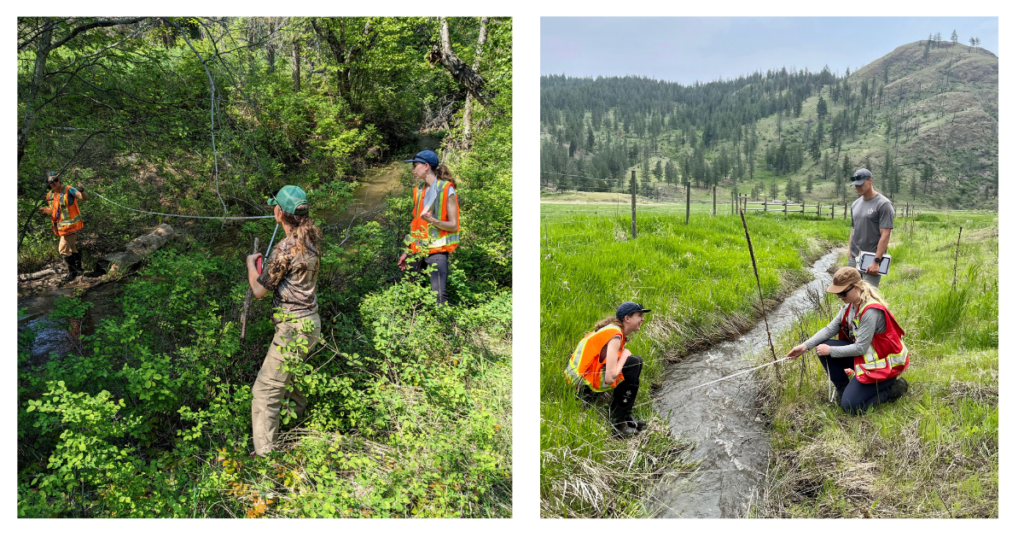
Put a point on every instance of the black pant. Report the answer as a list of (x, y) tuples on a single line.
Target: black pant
[(438, 277), (857, 397), (630, 376), (626, 391)]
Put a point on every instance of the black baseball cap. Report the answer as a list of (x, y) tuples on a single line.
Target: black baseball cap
[(628, 308)]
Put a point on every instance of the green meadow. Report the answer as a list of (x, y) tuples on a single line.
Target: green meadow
[(698, 280)]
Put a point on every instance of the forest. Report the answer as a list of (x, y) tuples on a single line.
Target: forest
[(139, 405), (924, 119)]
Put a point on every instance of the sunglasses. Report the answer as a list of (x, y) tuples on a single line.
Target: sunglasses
[(844, 292)]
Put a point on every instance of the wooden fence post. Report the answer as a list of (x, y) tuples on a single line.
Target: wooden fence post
[(687, 202), (714, 200), (833, 211), (632, 184)]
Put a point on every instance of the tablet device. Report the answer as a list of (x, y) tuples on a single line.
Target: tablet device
[(866, 258)]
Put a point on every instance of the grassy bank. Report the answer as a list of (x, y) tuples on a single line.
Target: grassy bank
[(698, 281), (935, 452)]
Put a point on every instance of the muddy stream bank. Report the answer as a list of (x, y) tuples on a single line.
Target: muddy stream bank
[(723, 418)]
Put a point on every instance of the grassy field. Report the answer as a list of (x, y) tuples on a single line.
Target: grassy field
[(942, 438), (932, 454), (698, 281)]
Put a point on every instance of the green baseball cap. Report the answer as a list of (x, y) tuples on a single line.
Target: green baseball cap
[(289, 198)]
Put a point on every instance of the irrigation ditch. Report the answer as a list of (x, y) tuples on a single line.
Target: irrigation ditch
[(723, 418)]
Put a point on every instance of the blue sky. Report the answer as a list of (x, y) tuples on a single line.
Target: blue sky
[(687, 49)]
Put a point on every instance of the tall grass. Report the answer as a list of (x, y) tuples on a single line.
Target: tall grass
[(698, 281), (934, 453)]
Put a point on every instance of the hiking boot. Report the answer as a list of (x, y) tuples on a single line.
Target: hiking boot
[(899, 388), (638, 423), (77, 259), (620, 412), (624, 430), (72, 270)]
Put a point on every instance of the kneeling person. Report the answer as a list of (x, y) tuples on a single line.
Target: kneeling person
[(869, 343), (601, 363)]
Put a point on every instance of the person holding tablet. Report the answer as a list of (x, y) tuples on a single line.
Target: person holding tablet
[(871, 220)]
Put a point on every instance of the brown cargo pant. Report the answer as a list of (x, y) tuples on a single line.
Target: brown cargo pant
[(270, 387), (68, 245)]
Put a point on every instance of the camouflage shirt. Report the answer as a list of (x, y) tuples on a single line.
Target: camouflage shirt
[(292, 279)]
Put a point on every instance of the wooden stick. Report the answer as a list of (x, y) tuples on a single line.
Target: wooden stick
[(764, 311), (248, 294), (956, 259)]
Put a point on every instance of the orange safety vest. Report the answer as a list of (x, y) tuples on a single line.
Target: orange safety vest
[(424, 236), (65, 216), (888, 356), (586, 364)]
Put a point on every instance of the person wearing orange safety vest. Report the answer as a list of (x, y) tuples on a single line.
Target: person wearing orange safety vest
[(434, 229), (62, 207), (590, 370), (869, 345)]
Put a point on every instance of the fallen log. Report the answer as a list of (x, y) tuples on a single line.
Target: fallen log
[(37, 275), (135, 251)]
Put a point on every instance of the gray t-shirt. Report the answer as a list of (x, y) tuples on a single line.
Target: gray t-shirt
[(871, 323), (869, 217)]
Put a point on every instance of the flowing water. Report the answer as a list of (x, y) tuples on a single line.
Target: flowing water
[(35, 306), (723, 418)]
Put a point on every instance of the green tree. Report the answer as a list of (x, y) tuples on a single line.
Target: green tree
[(671, 175)]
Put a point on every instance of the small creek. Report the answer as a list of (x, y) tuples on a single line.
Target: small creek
[(723, 418)]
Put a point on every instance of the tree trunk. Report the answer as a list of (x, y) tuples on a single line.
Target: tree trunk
[(462, 73), (42, 52), (337, 46), (469, 98), (296, 67)]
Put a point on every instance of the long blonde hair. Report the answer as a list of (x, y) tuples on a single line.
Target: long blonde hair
[(610, 320), (867, 290)]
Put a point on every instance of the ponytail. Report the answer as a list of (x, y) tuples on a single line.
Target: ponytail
[(610, 320), (443, 173), (867, 290), (307, 234)]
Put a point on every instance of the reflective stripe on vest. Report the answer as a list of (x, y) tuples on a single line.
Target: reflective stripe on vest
[(64, 216), (872, 361), (425, 236), (572, 371)]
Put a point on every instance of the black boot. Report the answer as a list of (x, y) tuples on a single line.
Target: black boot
[(639, 423), (899, 388), (72, 270), (78, 263), (621, 408)]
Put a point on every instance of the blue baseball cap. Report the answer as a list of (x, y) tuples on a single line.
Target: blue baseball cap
[(425, 156), (628, 308)]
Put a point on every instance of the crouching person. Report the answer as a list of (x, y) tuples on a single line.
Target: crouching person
[(869, 343), (602, 363)]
